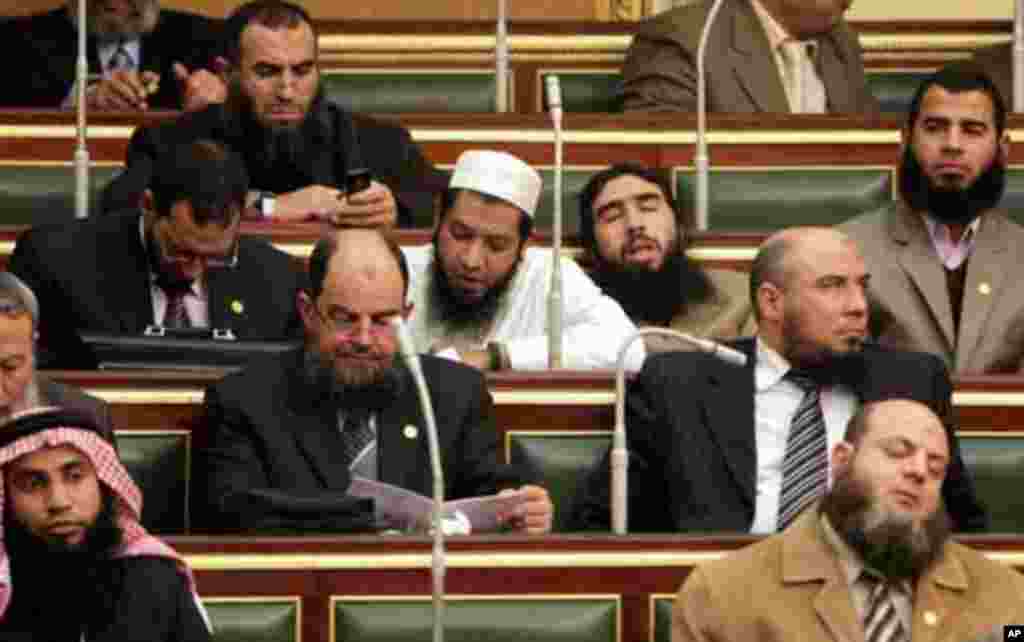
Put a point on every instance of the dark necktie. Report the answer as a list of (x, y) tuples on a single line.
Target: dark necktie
[(121, 59), (805, 465), (881, 621), (356, 434), (176, 316)]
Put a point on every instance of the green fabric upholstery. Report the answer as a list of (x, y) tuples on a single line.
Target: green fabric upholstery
[(997, 466), (772, 198), (559, 461), (1013, 197), (427, 90), (661, 607), (494, 619), (894, 90), (586, 91), (253, 619), (33, 194), (159, 464), (574, 179)]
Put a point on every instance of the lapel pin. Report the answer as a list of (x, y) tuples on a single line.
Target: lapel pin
[(984, 288), (410, 432), (931, 618), (237, 307)]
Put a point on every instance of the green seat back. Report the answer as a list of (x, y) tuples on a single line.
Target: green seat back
[(411, 90), (661, 616), (493, 618), (574, 179), (997, 466), (560, 461), (771, 198), (31, 194), (895, 90), (586, 91), (1013, 197), (158, 461), (253, 619)]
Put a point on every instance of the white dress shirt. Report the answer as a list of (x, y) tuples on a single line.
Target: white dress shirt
[(775, 402)]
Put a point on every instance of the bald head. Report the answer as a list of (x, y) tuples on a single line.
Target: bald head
[(361, 251)]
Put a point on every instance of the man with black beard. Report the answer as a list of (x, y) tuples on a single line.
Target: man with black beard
[(729, 448), (873, 561), (632, 229), (71, 507), (481, 294), (944, 255), (288, 435), (298, 147)]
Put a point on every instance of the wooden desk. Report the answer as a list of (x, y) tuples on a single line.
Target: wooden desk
[(634, 568)]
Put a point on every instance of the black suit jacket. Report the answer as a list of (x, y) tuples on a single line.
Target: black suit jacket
[(43, 50), (335, 141), (93, 275), (268, 430), (693, 458)]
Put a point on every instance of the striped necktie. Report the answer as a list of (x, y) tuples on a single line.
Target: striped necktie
[(121, 59), (175, 315), (882, 623), (805, 464), (356, 435)]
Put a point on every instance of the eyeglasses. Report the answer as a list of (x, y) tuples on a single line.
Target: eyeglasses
[(172, 253), (346, 323)]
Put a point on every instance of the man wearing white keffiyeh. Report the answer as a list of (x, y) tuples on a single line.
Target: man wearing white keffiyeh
[(68, 503)]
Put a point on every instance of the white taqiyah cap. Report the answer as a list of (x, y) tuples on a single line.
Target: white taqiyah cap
[(498, 174)]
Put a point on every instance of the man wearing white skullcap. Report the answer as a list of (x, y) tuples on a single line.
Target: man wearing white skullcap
[(480, 295)]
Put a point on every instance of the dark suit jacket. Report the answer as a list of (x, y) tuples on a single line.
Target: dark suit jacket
[(43, 49), (93, 275), (660, 72), (269, 430), (693, 458), (52, 393), (336, 141)]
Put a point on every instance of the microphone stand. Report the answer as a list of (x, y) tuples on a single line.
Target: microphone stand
[(700, 157), (619, 453), (412, 361), (81, 159), (501, 59), (554, 92)]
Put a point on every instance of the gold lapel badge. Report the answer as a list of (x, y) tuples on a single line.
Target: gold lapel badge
[(410, 432), (237, 307), (984, 288), (931, 618)]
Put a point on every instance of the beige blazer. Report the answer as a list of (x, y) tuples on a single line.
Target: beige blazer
[(660, 72), (791, 587), (910, 305)]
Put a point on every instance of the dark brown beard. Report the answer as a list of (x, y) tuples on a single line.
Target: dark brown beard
[(951, 206), (453, 308), (375, 394), (896, 548)]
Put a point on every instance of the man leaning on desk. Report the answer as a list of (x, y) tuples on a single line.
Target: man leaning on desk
[(177, 260)]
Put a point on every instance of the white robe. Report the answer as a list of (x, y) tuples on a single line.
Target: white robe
[(594, 328)]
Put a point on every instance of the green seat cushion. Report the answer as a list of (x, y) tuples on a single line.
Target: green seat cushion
[(997, 467), (494, 619), (586, 91), (34, 194), (253, 619), (560, 461), (158, 462), (895, 90), (662, 618), (412, 91), (1013, 197), (574, 179), (770, 198)]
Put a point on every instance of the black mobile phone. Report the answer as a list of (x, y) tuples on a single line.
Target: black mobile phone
[(357, 180)]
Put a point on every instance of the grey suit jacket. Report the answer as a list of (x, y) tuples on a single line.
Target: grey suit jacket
[(660, 72), (791, 587), (910, 306)]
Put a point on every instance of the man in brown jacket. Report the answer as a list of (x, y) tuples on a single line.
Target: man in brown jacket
[(872, 561)]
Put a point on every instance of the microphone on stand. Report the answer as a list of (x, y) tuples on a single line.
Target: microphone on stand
[(700, 157), (81, 160), (501, 59), (412, 362), (619, 453), (554, 94), (1018, 57)]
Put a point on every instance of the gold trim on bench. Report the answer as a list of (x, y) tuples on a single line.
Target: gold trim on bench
[(64, 131), (148, 396), (973, 398)]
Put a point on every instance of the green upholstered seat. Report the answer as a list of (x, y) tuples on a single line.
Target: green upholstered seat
[(573, 181), (1013, 197), (772, 198), (494, 618), (158, 461), (661, 617), (36, 193), (586, 91), (560, 461), (997, 466), (254, 619), (412, 90), (895, 89)]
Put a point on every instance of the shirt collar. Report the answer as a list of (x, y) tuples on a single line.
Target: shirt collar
[(770, 367), (939, 232), (775, 32)]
